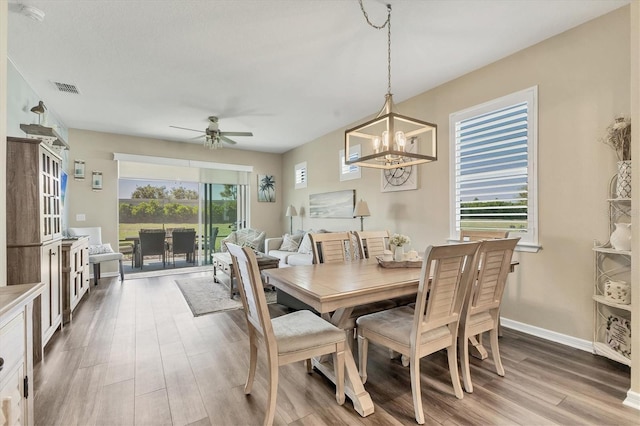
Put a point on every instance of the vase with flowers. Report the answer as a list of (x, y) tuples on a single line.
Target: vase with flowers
[(398, 241), (618, 137)]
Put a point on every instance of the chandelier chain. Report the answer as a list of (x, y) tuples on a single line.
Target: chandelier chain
[(387, 24)]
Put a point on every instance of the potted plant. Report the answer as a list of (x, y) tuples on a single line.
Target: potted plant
[(398, 241), (618, 137)]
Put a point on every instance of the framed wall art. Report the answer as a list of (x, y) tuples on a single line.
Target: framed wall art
[(78, 169), (338, 204), (266, 188), (96, 181)]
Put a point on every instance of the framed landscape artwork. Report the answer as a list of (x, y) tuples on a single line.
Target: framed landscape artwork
[(338, 204), (267, 188)]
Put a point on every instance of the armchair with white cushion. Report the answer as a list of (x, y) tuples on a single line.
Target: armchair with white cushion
[(98, 252)]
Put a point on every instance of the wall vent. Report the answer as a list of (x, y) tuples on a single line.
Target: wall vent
[(67, 88)]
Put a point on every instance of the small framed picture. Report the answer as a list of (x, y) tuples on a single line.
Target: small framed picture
[(78, 169), (96, 181), (267, 188)]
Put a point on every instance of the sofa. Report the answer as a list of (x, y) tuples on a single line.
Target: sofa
[(291, 249)]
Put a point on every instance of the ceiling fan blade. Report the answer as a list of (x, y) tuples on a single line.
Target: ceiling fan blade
[(236, 133), (227, 140), (184, 128)]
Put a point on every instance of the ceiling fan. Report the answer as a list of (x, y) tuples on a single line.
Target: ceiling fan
[(213, 136)]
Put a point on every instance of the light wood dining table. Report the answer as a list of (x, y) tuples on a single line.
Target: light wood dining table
[(334, 290)]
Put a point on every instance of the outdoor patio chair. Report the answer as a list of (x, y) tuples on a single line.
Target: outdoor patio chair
[(152, 242)]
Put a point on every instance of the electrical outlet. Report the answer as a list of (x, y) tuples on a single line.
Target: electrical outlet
[(81, 217)]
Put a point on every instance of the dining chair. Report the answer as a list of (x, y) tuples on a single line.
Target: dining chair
[(474, 235), (329, 247), (372, 243), (433, 324), (183, 241), (481, 235), (481, 311), (297, 336), (152, 243)]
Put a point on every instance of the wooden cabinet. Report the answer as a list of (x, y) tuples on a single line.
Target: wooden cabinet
[(34, 229), (16, 374), (75, 274)]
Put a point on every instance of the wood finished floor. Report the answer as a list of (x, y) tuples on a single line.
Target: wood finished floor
[(134, 354)]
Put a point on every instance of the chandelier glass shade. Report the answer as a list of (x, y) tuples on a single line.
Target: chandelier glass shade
[(212, 141)]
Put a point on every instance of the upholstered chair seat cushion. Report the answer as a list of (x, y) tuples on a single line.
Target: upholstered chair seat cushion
[(396, 323), (302, 330)]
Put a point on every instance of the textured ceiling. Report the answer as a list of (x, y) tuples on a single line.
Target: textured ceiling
[(287, 70)]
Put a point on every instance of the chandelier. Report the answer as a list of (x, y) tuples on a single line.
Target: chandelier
[(390, 140)]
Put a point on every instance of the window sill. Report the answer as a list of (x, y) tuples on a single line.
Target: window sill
[(522, 247)]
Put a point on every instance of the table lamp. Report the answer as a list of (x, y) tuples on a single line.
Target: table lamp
[(291, 212), (361, 210)]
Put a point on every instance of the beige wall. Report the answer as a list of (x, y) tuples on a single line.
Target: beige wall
[(583, 80), (101, 207), (3, 141)]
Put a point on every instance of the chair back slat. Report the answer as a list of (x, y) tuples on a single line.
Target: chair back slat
[(495, 265), (251, 289), (331, 247), (451, 269), (372, 243), (469, 235)]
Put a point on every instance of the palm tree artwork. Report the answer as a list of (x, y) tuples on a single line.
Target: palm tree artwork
[(267, 188)]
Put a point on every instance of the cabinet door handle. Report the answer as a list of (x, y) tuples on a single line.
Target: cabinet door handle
[(1, 363)]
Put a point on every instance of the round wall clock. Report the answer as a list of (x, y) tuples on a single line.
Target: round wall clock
[(399, 176)]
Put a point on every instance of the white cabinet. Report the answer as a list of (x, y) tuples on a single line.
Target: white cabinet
[(612, 319), (16, 362), (75, 274)]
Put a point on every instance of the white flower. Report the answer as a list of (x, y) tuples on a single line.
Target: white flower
[(399, 240)]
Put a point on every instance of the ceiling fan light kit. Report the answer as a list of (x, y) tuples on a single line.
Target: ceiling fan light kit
[(383, 140), (213, 137)]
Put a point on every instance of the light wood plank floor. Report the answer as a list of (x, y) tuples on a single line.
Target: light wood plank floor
[(134, 354)]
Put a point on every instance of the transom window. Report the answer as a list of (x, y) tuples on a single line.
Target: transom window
[(493, 167)]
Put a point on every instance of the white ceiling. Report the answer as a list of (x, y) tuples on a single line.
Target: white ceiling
[(287, 70)]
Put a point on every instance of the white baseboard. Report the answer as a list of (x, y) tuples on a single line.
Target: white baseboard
[(632, 400), (584, 345)]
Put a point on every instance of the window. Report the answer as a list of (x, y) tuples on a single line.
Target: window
[(301, 175), (493, 167)]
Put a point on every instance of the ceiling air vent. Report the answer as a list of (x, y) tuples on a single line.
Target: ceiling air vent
[(67, 88)]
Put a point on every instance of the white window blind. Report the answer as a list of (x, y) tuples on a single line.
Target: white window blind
[(493, 182), (301, 175)]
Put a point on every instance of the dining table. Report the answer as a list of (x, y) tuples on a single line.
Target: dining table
[(334, 290)]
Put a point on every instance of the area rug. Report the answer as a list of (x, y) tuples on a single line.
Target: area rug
[(205, 296)]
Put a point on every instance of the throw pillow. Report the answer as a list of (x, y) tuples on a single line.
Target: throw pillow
[(290, 242), (305, 245), (100, 249)]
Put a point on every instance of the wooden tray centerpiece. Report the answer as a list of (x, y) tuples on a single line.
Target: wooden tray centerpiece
[(400, 264)]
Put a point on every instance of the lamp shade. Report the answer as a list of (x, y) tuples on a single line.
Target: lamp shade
[(362, 209), (291, 211)]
